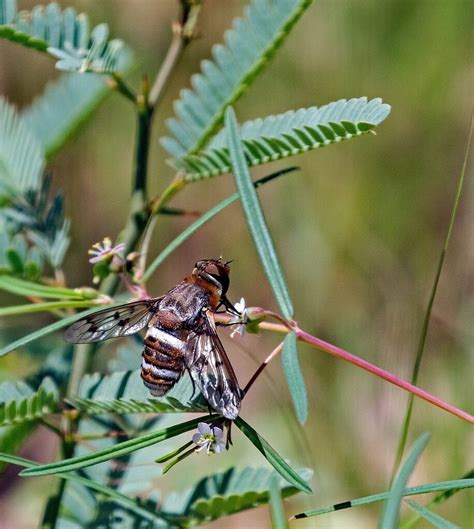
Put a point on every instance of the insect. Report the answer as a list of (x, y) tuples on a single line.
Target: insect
[(181, 335)]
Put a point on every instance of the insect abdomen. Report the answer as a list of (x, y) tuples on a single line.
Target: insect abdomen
[(162, 361)]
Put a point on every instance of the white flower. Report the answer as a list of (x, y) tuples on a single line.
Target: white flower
[(242, 318), (104, 251), (209, 438)]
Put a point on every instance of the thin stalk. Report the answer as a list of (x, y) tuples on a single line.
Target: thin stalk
[(122, 87), (262, 366), (381, 373), (333, 350), (183, 33), (426, 321)]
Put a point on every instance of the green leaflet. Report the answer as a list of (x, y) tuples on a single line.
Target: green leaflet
[(391, 514), (294, 376), (453, 485), (294, 132), (249, 45), (64, 35), (277, 462), (255, 218), (117, 450), (123, 392), (20, 404)]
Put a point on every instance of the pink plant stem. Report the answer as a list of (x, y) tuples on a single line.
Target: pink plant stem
[(303, 336), (381, 373)]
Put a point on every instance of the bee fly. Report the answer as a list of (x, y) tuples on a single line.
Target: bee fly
[(181, 335)]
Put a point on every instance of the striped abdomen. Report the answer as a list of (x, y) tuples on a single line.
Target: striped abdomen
[(162, 360)]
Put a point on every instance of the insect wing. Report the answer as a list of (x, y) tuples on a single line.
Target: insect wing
[(211, 369), (123, 320)]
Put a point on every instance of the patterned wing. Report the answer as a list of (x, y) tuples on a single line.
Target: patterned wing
[(211, 369), (123, 320)]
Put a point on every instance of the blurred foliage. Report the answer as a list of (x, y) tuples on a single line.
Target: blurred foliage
[(358, 229)]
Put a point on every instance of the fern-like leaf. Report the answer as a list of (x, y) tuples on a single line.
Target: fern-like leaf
[(21, 156), (248, 47), (62, 108), (124, 393), (65, 35), (294, 132), (227, 493), (19, 403)]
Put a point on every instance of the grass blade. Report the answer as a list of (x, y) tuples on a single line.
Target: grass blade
[(255, 216), (276, 505), (107, 491), (294, 377), (50, 329), (115, 451), (426, 320), (196, 225), (450, 486), (277, 462), (434, 519), (391, 512)]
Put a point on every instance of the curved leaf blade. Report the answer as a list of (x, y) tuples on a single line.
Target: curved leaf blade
[(391, 514), (277, 462), (255, 217)]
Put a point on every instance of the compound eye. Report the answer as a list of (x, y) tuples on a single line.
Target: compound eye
[(213, 270)]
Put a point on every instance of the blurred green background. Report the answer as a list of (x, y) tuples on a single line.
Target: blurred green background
[(358, 229)]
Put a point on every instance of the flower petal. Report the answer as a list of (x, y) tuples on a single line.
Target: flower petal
[(218, 433), (219, 447), (204, 429)]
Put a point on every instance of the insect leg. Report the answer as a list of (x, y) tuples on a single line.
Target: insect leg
[(228, 305), (192, 382), (228, 441)]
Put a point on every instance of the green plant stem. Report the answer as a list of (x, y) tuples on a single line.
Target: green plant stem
[(426, 321), (183, 33), (122, 87)]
